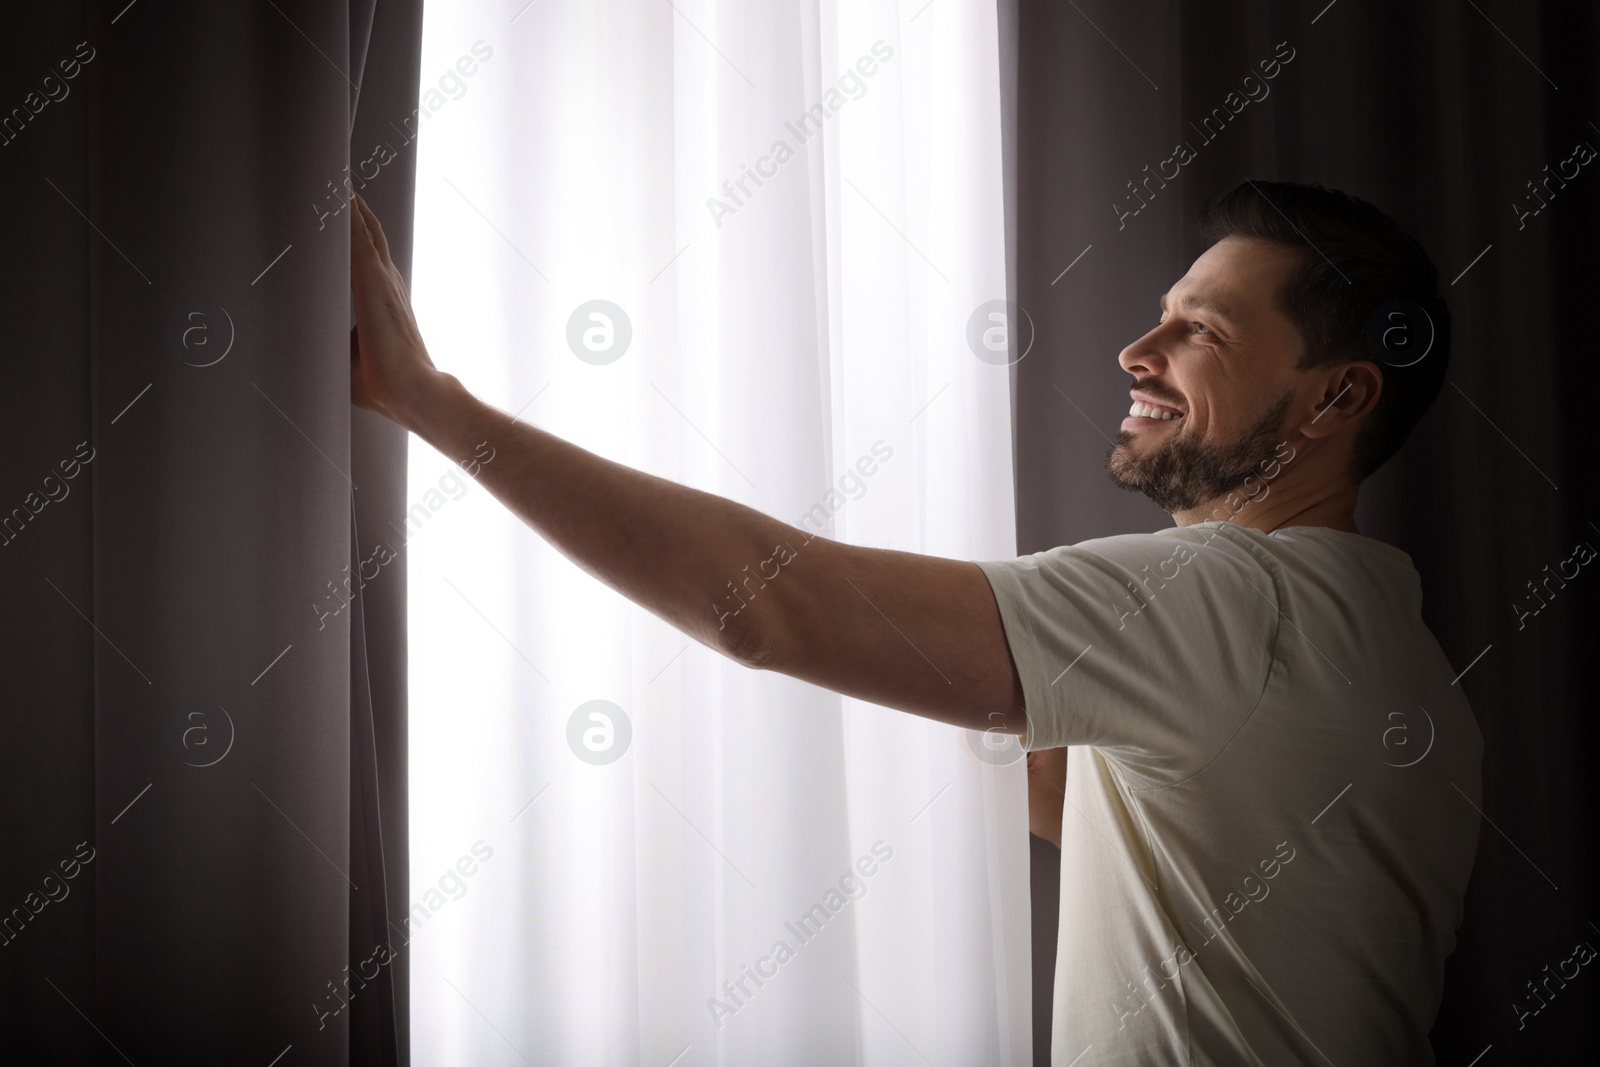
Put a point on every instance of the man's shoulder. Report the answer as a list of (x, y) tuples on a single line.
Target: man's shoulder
[(1201, 565), (1232, 540), (1219, 540)]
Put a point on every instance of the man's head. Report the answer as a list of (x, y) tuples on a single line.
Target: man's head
[(1264, 342)]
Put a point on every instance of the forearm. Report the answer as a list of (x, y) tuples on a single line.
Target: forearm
[(670, 548)]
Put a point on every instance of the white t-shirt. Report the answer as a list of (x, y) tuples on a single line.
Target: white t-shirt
[(1271, 790)]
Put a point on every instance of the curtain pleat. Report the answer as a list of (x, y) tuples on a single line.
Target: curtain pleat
[(373, 1034), (383, 126)]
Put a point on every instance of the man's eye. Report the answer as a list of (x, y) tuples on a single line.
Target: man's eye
[(1201, 326)]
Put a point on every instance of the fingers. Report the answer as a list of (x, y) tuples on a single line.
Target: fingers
[(364, 255), (374, 228), (371, 274)]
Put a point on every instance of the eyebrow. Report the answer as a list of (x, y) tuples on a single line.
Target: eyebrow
[(1205, 304)]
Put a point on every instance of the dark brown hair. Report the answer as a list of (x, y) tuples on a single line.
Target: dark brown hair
[(1356, 259)]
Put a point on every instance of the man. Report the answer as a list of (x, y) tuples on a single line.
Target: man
[(1266, 835)]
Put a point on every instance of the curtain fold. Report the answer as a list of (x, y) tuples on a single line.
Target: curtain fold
[(198, 716), (613, 828), (383, 160)]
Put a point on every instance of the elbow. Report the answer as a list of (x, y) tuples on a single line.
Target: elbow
[(746, 641)]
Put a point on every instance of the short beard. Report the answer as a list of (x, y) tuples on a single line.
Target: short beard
[(1183, 473)]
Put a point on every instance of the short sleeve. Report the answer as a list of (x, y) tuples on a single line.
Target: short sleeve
[(1153, 648)]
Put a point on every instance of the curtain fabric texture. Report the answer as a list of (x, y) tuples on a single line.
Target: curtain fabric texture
[(204, 750), (739, 247), (1462, 121)]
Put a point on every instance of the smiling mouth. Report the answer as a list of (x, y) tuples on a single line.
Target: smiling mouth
[(1141, 415)]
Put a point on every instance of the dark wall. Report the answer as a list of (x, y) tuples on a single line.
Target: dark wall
[(1439, 113)]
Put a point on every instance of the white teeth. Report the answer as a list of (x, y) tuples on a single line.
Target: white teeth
[(1144, 411)]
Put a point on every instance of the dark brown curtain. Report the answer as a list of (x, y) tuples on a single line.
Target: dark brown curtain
[(1441, 113), (202, 764)]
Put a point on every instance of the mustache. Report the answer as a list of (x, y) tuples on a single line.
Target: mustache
[(1152, 387)]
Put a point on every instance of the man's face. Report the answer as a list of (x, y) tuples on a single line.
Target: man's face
[(1223, 356)]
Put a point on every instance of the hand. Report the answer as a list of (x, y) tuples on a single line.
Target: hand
[(389, 364), (1047, 793)]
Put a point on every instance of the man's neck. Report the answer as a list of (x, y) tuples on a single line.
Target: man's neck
[(1307, 500)]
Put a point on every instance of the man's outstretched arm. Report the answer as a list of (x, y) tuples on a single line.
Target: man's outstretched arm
[(913, 632)]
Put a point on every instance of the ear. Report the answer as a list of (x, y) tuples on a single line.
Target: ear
[(1348, 391)]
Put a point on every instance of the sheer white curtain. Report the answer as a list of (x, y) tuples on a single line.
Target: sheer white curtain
[(798, 343)]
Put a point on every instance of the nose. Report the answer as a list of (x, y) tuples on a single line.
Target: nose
[(1143, 358)]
